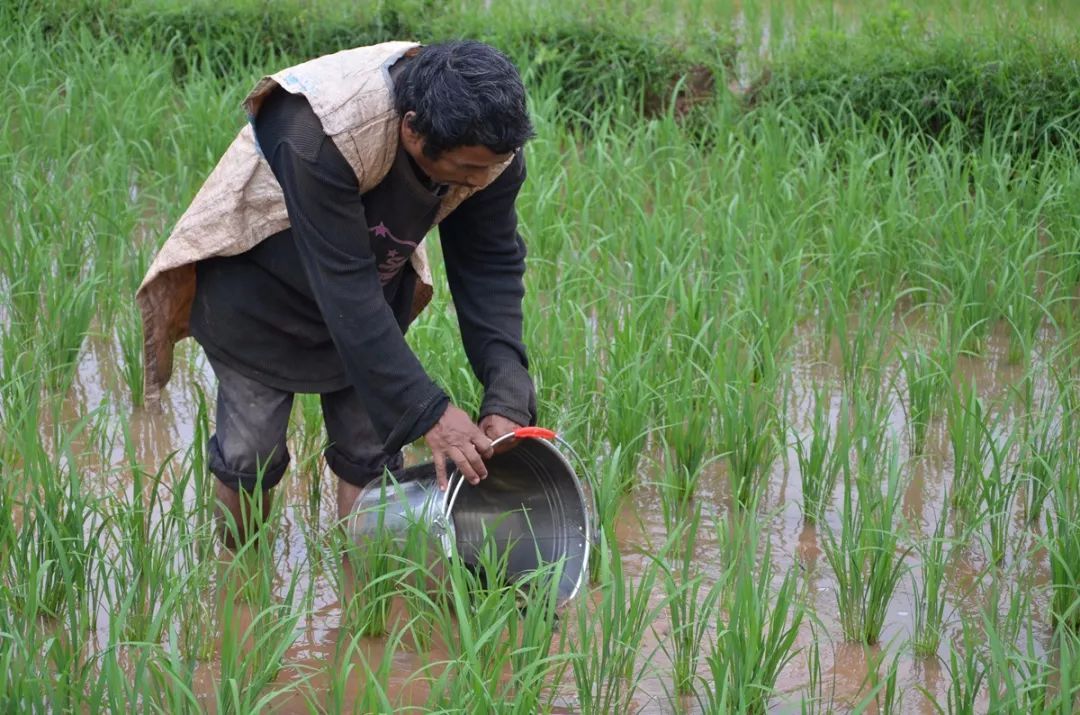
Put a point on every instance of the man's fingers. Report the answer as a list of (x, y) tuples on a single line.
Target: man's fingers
[(464, 466), (440, 470), (483, 446)]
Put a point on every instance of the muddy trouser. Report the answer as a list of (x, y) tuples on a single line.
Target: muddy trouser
[(248, 451)]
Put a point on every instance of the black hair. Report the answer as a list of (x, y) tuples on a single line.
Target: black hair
[(463, 93)]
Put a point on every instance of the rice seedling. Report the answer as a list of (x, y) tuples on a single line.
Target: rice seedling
[(142, 567), (369, 562), (1017, 675), (754, 638), (1063, 548), (882, 695), (687, 411), (748, 422), (967, 673), (610, 485), (1040, 455), (352, 663), (493, 626), (677, 485), (866, 556), (863, 350), (253, 646), (928, 605), (925, 383), (129, 337), (997, 489), (609, 665), (813, 699), (691, 603), (821, 456), (967, 429)]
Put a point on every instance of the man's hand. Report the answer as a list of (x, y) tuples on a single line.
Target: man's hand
[(456, 438), (495, 426)]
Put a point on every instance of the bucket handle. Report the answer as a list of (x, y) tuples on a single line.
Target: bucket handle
[(450, 498), (536, 432)]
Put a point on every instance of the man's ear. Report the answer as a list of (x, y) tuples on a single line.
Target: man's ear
[(410, 137)]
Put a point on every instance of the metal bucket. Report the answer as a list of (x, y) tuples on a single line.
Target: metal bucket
[(531, 506)]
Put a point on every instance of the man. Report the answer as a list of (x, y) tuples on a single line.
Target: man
[(298, 266)]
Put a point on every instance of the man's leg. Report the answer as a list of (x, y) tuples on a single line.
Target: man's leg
[(355, 453), (248, 453)]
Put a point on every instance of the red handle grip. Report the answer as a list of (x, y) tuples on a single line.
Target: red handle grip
[(537, 432)]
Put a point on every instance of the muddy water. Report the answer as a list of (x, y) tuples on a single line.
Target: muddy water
[(796, 546)]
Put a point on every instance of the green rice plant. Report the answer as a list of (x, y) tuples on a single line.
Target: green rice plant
[(928, 606), (813, 699), (766, 304), (492, 625), (866, 556), (609, 488), (997, 489), (609, 665), (1018, 674), (64, 322), (1062, 543), (369, 563), (50, 562), (967, 430), (754, 638), (129, 337), (863, 349), (925, 382), (351, 663), (629, 401), (1065, 682), (748, 420), (1017, 292), (143, 540), (677, 486), (967, 673), (688, 419), (1040, 451), (880, 695), (252, 654), (691, 603), (821, 456)]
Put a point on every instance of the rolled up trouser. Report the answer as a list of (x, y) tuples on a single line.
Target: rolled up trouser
[(248, 451)]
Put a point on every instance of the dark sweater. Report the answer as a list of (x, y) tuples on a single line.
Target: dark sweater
[(325, 303)]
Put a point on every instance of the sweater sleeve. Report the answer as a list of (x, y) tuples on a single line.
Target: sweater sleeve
[(328, 224), (485, 266)]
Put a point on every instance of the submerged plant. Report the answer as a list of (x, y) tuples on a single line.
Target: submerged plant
[(691, 602), (821, 457), (866, 556), (755, 637), (929, 590), (926, 383), (609, 663)]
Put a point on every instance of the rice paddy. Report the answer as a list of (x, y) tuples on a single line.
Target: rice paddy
[(823, 374)]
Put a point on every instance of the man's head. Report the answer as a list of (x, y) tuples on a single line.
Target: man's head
[(462, 106)]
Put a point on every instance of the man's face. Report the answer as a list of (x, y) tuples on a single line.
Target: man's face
[(461, 166)]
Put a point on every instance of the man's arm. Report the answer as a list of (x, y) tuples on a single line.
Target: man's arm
[(485, 265), (326, 214)]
